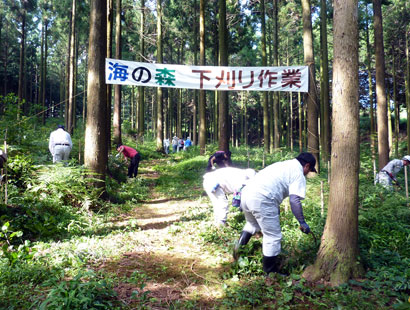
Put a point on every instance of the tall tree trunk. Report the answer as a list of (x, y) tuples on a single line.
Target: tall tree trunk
[(179, 113), (160, 137), (141, 93), (85, 93), (195, 92), (95, 148), (312, 103), (382, 128), (22, 56), (270, 94), (276, 103), (67, 75), (223, 95), (264, 94), (371, 97), (71, 81), (44, 69), (202, 97), (337, 259), (42, 48), (110, 24), (116, 123), (396, 109), (324, 82)]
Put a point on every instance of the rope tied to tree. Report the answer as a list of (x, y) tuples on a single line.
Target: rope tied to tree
[(45, 110)]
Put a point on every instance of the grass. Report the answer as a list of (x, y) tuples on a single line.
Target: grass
[(152, 244)]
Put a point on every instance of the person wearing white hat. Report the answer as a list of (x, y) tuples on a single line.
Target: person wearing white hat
[(220, 182), (387, 175)]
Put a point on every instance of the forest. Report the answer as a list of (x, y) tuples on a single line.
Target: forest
[(81, 234)]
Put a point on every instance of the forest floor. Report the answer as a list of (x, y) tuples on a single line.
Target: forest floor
[(154, 246), (169, 257)]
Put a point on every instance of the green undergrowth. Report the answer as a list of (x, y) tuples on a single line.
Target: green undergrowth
[(56, 233)]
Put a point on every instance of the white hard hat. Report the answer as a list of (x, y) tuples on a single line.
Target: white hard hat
[(250, 173), (407, 157)]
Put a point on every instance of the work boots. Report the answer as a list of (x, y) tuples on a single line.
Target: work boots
[(271, 264), (243, 240)]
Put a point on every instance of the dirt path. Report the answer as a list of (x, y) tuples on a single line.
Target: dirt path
[(169, 256)]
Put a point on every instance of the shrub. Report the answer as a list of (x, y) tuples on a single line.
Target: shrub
[(84, 291)]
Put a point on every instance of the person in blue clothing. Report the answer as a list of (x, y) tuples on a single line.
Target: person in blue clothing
[(187, 144)]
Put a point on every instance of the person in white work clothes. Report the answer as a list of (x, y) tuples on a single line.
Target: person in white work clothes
[(387, 175), (224, 181), (261, 199), (60, 144)]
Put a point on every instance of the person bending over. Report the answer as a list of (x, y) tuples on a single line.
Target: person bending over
[(261, 199), (221, 182), (387, 175), (132, 155), (221, 158)]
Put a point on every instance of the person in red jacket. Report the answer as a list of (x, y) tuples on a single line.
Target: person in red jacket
[(133, 155)]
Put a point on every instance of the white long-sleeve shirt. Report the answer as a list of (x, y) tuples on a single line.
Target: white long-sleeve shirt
[(279, 180), (230, 179), (394, 166), (59, 136)]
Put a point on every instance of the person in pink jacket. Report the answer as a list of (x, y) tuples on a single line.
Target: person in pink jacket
[(133, 156)]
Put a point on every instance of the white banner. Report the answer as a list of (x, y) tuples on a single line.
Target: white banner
[(293, 78)]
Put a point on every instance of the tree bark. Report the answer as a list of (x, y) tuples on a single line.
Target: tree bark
[(202, 97), (223, 95), (371, 97), (41, 86), (71, 79), (95, 148), (266, 136), (117, 88), (110, 23), (141, 93), (337, 259), (22, 56), (160, 137), (276, 103), (324, 68), (44, 68), (312, 103), (382, 127)]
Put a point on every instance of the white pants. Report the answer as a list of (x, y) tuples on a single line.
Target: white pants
[(384, 179), (262, 214), (218, 199), (61, 152)]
